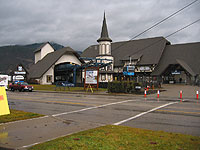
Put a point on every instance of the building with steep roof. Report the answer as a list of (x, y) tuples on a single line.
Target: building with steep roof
[(152, 59), (179, 62), (52, 66), (149, 60)]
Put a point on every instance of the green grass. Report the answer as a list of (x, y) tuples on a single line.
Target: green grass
[(122, 138), (52, 88), (18, 115)]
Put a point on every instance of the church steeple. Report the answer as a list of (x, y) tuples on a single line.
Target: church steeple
[(105, 54), (104, 31)]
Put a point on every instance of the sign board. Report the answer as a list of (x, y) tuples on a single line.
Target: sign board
[(128, 73), (17, 72), (176, 72), (91, 76), (145, 68), (4, 80), (4, 108), (19, 77), (129, 70)]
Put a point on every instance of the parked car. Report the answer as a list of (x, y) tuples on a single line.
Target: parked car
[(20, 86)]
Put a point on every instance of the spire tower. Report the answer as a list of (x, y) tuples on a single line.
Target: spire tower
[(104, 40), (104, 31), (105, 55)]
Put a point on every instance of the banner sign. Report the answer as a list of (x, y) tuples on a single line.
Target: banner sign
[(145, 68), (91, 77), (3, 80), (4, 108), (17, 72), (176, 72), (128, 73)]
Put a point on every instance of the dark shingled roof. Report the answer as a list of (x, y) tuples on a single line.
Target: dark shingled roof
[(150, 50), (42, 66), (186, 55), (133, 57), (104, 31)]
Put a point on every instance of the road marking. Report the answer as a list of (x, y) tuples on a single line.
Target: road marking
[(26, 146), (179, 111), (23, 120), (144, 113), (65, 113), (68, 112), (63, 96), (29, 99), (184, 108), (81, 98), (161, 98), (30, 145)]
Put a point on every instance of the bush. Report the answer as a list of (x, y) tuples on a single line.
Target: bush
[(122, 87)]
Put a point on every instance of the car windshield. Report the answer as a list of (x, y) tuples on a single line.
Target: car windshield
[(24, 83)]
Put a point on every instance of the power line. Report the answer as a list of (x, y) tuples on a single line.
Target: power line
[(182, 28), (164, 19), (156, 24), (166, 37)]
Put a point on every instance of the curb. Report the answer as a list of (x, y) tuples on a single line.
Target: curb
[(87, 93)]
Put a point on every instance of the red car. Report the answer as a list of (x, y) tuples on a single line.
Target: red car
[(20, 86)]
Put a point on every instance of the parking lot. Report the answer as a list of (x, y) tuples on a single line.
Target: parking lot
[(69, 113)]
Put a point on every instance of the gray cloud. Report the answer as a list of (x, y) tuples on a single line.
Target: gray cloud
[(78, 23)]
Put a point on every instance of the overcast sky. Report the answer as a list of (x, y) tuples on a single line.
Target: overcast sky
[(77, 23)]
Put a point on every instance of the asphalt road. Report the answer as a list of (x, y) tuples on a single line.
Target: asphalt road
[(70, 113)]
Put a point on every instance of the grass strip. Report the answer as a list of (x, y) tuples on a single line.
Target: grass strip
[(16, 115), (122, 138), (54, 88)]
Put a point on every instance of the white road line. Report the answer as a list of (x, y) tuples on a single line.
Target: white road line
[(26, 146), (141, 114), (23, 120), (76, 111), (65, 113), (68, 112)]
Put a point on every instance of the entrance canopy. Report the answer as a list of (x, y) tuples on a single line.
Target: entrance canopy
[(186, 67)]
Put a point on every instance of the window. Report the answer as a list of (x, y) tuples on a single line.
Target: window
[(19, 68), (107, 49), (58, 77), (104, 49), (103, 69), (49, 78), (103, 77), (100, 49), (109, 77), (110, 68)]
